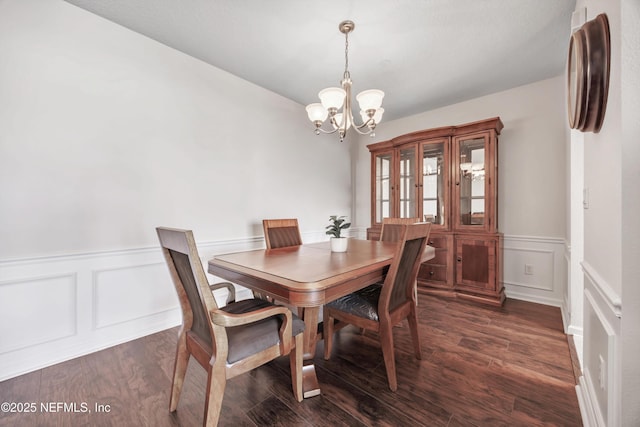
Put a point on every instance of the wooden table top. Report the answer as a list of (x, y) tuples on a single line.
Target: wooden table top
[(309, 268)]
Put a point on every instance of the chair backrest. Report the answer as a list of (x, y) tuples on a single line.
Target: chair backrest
[(392, 228), (280, 233), (190, 281), (400, 282)]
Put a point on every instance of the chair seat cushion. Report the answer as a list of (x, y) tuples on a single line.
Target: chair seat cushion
[(246, 340), (362, 303)]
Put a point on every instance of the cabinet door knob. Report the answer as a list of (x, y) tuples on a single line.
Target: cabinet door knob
[(459, 259), (431, 273)]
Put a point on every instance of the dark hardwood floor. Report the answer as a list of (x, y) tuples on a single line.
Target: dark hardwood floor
[(481, 366)]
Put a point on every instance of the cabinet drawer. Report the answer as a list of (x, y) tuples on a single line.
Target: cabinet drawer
[(433, 272), (438, 241)]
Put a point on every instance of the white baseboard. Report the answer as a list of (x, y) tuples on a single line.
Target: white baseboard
[(587, 411)]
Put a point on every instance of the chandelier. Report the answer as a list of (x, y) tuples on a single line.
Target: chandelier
[(475, 171), (332, 99)]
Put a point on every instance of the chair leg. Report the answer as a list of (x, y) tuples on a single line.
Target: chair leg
[(386, 342), (327, 333), (179, 370), (415, 336), (295, 360), (216, 383)]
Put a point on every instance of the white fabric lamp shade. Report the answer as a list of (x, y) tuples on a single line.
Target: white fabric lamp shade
[(316, 112), (370, 99), (332, 97)]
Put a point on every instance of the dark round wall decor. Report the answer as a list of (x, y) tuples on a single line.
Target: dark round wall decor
[(588, 74)]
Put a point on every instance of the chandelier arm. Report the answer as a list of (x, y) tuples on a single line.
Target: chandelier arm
[(367, 123), (358, 127), (327, 131), (370, 129), (370, 122), (341, 125)]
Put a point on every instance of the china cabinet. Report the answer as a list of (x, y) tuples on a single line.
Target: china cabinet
[(448, 176)]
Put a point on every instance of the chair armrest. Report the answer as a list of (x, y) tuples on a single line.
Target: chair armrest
[(224, 319), (231, 296)]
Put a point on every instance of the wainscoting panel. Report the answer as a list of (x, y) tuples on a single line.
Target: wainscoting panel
[(56, 308), (116, 300), (599, 388), (96, 300), (547, 282), (534, 269), (28, 306)]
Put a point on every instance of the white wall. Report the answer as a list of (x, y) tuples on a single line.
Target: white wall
[(630, 88), (600, 384), (106, 134), (532, 175), (532, 154), (610, 386)]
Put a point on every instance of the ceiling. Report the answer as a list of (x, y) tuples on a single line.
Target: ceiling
[(423, 54)]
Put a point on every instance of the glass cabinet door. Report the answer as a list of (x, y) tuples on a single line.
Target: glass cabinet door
[(383, 170), (407, 185), (434, 182), (471, 186)]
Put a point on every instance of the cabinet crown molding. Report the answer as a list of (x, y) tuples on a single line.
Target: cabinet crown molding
[(493, 123)]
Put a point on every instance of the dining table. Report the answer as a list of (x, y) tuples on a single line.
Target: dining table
[(306, 277)]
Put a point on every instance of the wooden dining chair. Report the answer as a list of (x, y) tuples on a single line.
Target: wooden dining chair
[(226, 341), (280, 233), (381, 306), (392, 227)]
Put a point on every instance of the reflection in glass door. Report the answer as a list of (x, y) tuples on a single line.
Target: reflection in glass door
[(433, 203), (407, 193), (383, 186), (472, 184)]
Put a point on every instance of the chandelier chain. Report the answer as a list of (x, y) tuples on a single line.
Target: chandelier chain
[(346, 55)]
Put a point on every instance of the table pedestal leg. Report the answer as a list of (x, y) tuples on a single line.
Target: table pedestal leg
[(310, 386)]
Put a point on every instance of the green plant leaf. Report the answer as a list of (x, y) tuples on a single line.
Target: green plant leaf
[(337, 224)]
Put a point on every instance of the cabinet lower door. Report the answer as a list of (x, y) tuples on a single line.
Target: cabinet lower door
[(476, 264)]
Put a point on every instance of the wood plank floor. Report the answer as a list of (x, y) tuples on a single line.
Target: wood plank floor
[(481, 366)]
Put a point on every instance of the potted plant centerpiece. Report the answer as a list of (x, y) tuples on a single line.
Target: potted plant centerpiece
[(338, 243)]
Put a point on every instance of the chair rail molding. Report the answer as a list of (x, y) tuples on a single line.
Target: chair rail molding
[(605, 291), (534, 269), (92, 301)]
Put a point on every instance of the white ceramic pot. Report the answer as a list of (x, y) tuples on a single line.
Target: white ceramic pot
[(339, 244)]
